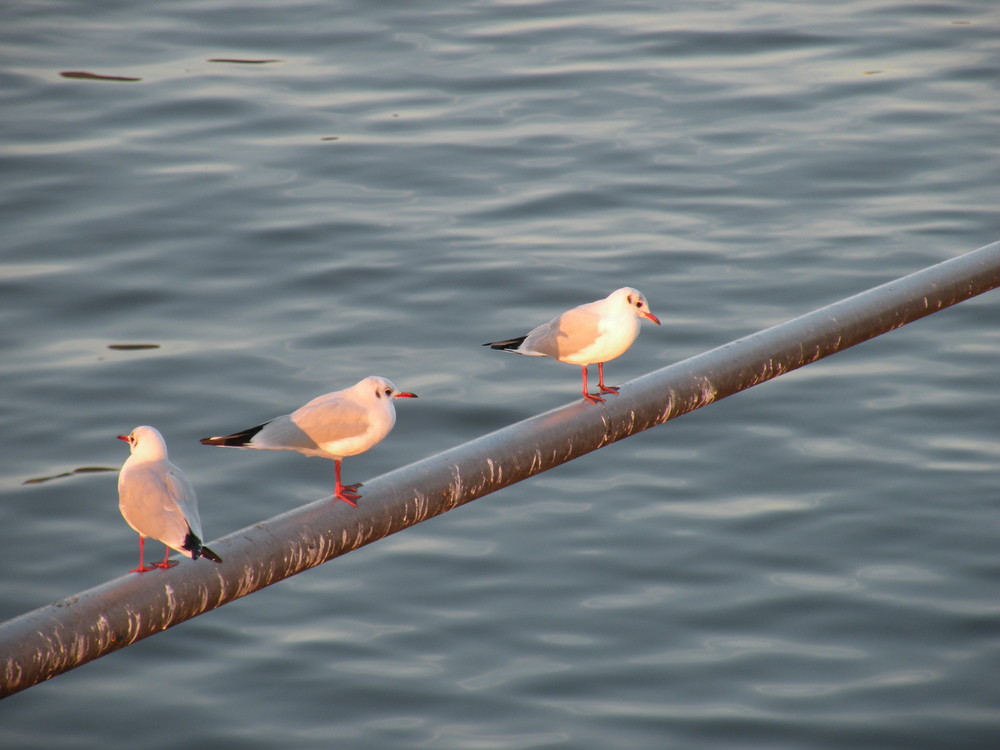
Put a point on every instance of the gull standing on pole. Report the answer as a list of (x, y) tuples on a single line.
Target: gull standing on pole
[(158, 501), (589, 334), (335, 425)]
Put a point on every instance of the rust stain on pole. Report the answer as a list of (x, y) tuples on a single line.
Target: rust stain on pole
[(53, 639)]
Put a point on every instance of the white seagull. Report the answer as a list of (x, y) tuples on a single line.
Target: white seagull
[(593, 333), (158, 501), (335, 425)]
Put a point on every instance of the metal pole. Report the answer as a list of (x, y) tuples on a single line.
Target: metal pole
[(55, 638)]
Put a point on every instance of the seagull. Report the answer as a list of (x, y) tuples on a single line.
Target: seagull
[(592, 333), (157, 500), (335, 425)]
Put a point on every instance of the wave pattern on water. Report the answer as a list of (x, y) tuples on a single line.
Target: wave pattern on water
[(291, 198)]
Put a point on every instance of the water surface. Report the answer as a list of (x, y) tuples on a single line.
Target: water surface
[(810, 563)]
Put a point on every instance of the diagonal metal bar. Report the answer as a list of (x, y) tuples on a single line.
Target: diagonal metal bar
[(55, 638)]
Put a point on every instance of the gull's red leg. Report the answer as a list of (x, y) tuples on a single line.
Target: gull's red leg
[(346, 492), (142, 568), (591, 397), (167, 562), (600, 384)]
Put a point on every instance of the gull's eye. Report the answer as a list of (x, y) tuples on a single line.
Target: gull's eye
[(387, 391)]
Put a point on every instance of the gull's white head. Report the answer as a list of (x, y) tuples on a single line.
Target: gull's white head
[(634, 300), (146, 443), (378, 388)]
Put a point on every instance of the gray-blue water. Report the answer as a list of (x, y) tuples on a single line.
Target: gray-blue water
[(809, 564)]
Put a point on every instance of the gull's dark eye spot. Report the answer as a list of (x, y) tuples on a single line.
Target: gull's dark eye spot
[(387, 391)]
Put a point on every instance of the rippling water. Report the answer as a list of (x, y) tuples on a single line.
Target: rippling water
[(385, 186)]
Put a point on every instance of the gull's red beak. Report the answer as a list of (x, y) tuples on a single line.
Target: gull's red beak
[(123, 437), (405, 394), (651, 317)]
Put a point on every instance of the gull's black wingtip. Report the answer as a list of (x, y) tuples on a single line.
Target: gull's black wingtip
[(509, 344), (193, 545), (236, 440), (209, 555)]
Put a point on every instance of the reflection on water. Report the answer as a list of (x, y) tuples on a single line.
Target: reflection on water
[(79, 470), (85, 76)]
